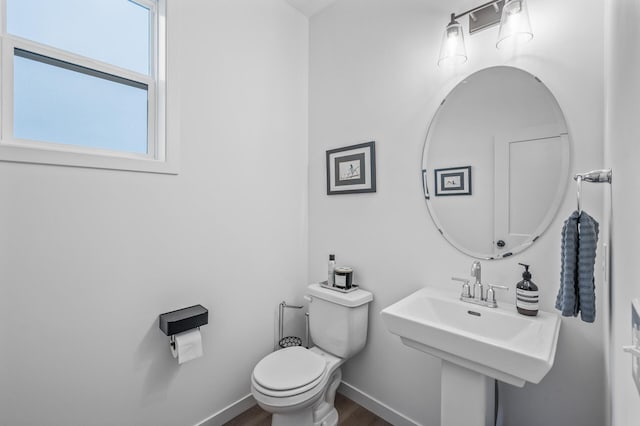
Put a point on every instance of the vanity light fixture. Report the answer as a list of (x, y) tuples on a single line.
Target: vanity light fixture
[(512, 15), (515, 26), (452, 49)]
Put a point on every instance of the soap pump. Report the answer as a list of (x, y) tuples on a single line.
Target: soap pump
[(527, 294)]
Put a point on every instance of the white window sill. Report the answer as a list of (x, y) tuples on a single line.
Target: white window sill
[(11, 152)]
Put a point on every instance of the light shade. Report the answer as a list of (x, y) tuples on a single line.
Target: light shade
[(452, 50), (515, 26)]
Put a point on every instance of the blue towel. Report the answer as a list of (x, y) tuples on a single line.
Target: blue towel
[(577, 284), (588, 243), (567, 300)]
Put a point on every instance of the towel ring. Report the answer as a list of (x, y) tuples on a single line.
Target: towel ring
[(578, 189), (594, 176)]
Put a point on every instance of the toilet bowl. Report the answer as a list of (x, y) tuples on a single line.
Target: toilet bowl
[(299, 385)]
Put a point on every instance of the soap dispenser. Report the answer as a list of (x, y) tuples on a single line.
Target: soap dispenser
[(527, 294)]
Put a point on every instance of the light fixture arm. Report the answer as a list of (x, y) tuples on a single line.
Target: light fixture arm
[(475, 9)]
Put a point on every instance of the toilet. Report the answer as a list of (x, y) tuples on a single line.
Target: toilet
[(299, 385)]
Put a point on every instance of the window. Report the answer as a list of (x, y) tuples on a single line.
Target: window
[(83, 84)]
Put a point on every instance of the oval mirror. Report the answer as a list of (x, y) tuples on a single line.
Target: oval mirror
[(495, 162)]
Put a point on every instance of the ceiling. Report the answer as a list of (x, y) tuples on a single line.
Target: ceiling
[(310, 7)]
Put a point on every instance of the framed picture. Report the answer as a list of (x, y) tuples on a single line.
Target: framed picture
[(351, 169), (453, 181)]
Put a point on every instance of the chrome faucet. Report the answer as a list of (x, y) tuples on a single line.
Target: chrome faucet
[(475, 294), (476, 272)]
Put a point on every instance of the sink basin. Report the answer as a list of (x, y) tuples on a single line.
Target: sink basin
[(496, 342)]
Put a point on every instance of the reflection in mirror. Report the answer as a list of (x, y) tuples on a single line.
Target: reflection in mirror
[(496, 162)]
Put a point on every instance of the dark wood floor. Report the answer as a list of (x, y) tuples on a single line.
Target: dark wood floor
[(349, 414)]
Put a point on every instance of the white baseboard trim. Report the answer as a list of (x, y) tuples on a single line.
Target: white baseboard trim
[(378, 408), (229, 412)]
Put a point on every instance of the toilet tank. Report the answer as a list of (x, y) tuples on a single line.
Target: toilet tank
[(338, 321)]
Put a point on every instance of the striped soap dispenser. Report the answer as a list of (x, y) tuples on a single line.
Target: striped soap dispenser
[(527, 294)]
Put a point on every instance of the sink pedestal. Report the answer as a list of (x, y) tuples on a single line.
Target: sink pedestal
[(467, 397)]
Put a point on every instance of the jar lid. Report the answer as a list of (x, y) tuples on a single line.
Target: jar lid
[(343, 270)]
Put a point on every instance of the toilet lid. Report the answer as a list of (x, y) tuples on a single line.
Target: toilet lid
[(289, 368)]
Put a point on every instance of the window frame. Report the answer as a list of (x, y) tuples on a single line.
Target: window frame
[(162, 152)]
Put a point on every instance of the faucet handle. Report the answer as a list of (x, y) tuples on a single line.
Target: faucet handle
[(466, 289), (491, 294)]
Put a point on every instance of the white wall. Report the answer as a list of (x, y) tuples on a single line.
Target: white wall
[(622, 153), (89, 258), (373, 76)]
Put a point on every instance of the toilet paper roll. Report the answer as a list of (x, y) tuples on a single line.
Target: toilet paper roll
[(188, 346)]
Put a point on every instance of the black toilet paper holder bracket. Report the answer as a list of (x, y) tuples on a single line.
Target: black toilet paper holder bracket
[(181, 320)]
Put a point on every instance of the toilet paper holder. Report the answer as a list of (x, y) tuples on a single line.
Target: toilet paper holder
[(172, 340), (181, 320)]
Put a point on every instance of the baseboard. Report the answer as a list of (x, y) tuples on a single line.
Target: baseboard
[(376, 407), (367, 401), (229, 412)]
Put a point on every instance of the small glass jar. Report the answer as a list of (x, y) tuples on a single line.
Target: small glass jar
[(343, 277)]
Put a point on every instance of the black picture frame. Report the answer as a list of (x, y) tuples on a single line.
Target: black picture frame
[(452, 181), (351, 169)]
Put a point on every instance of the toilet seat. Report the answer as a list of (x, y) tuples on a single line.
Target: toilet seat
[(290, 371)]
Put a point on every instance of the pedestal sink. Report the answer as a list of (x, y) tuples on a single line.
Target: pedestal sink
[(476, 344)]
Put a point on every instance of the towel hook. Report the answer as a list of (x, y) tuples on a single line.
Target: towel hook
[(595, 176)]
